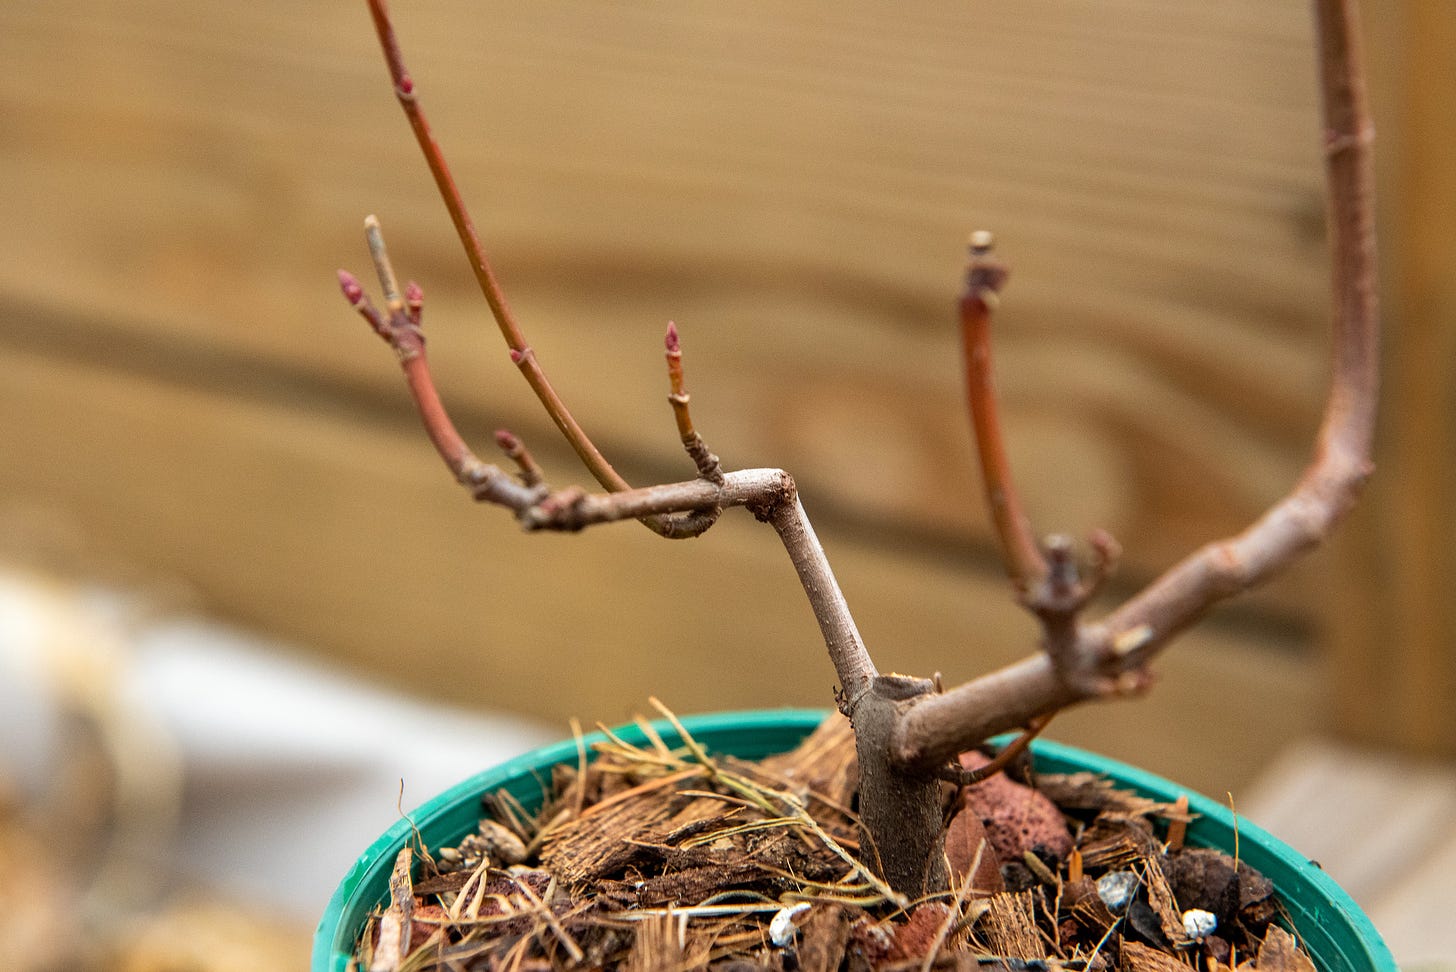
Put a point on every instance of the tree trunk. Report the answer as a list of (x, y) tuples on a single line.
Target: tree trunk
[(901, 812)]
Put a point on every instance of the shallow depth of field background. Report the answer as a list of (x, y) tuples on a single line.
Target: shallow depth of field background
[(191, 417)]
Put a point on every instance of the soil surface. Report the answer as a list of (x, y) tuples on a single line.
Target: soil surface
[(657, 858)]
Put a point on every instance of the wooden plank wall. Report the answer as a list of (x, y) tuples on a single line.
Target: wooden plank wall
[(791, 182)]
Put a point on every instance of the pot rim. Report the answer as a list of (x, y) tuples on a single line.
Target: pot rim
[(1339, 935)]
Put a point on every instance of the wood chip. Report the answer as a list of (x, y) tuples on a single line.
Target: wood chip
[(395, 924), (1116, 842), (1091, 793), (1178, 823), (606, 842), (1164, 905), (1137, 957), (1087, 907), (1281, 953), (1009, 926), (824, 935), (657, 946)]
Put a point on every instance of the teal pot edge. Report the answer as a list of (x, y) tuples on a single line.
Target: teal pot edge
[(1337, 933)]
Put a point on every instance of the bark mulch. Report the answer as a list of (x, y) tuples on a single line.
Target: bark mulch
[(655, 858)]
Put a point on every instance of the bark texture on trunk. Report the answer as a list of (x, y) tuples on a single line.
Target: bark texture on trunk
[(901, 811)]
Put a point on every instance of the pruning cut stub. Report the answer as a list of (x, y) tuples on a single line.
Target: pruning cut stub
[(985, 275)]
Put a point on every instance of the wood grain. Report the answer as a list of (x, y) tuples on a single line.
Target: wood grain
[(792, 183), (345, 538)]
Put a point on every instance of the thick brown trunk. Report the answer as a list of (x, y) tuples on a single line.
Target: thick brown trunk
[(901, 812)]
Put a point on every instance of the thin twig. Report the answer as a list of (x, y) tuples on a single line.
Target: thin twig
[(852, 663), (1058, 597), (961, 776), (1045, 576), (516, 451), (684, 526), (708, 465), (521, 354), (985, 275), (697, 522), (401, 329)]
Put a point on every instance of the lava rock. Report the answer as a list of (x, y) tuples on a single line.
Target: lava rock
[(1016, 817)]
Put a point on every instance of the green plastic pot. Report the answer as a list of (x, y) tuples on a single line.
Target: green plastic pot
[(1338, 935)]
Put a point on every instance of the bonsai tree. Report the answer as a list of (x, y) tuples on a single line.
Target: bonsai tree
[(908, 731)]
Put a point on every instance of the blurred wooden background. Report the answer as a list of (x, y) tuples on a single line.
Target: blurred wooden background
[(184, 391)]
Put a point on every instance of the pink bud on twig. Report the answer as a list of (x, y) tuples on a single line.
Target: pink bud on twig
[(673, 347), (414, 302), (349, 284)]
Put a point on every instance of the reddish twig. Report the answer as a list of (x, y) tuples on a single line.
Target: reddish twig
[(960, 776), (697, 522), (679, 508), (400, 327), (985, 275), (517, 452), (678, 396), (520, 351), (708, 464), (1045, 576), (1111, 656)]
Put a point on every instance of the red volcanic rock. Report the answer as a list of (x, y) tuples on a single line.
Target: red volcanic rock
[(1016, 817)]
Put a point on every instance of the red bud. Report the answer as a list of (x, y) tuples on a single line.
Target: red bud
[(349, 284)]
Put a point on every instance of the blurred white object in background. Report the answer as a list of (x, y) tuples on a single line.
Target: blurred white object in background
[(227, 763)]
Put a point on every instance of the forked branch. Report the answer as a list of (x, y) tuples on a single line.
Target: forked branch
[(1045, 576), (521, 353), (1109, 657), (1341, 463), (681, 510), (401, 327), (678, 509)]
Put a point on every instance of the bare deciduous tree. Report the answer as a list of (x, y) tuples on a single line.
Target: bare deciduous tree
[(909, 734)]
